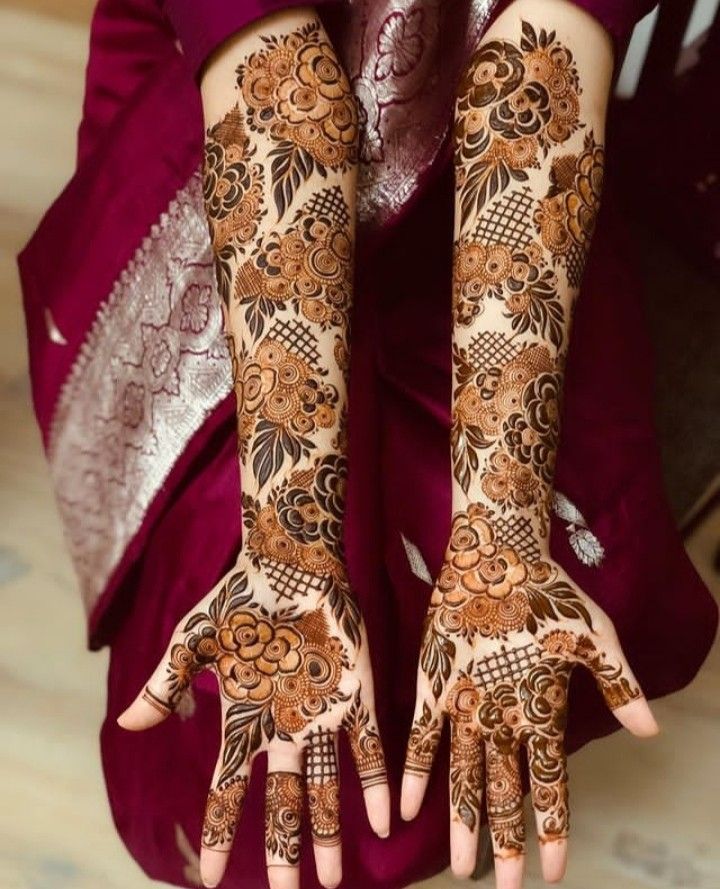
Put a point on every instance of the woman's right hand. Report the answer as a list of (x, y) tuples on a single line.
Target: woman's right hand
[(291, 675)]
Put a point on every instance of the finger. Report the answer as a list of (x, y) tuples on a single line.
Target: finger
[(361, 727), (422, 746), (505, 816), (222, 813), (166, 685), (618, 685), (547, 766), (323, 793), (283, 812), (466, 782)]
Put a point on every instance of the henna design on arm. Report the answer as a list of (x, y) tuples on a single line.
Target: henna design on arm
[(506, 625)]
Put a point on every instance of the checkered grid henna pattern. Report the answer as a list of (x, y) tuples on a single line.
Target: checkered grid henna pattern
[(298, 339), (320, 762), (508, 221), (518, 530), (574, 264), (289, 582), (491, 349), (507, 665), (328, 202)]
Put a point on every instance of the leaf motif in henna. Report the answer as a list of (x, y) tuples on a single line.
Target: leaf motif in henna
[(289, 168), (436, 659), (553, 601), (271, 445), (344, 609), (245, 726)]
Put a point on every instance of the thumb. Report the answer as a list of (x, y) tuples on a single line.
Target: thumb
[(160, 696)]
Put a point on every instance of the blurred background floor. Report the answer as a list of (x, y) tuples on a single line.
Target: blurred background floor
[(643, 814)]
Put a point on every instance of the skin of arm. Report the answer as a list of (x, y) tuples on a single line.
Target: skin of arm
[(282, 630), (506, 623)]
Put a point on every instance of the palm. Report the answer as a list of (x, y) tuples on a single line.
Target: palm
[(290, 677)]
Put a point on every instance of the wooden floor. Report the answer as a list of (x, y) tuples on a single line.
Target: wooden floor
[(645, 814)]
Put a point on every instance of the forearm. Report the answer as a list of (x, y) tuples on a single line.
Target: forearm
[(529, 134), (280, 193)]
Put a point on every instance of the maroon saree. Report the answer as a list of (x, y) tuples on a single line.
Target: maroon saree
[(131, 385)]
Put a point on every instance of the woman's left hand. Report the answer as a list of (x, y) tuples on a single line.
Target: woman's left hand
[(503, 634)]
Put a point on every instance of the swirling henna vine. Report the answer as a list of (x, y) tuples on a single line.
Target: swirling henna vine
[(365, 744), (283, 810), (222, 812), (307, 268), (323, 788), (296, 93), (514, 104)]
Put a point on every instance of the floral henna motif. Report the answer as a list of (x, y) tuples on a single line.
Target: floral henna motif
[(565, 218), (515, 275), (513, 407), (282, 401), (300, 527), (308, 268), (514, 104), (277, 673), (233, 189), (295, 91), (487, 589), (283, 811)]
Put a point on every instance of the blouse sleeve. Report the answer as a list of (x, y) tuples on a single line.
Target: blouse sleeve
[(202, 25), (618, 17)]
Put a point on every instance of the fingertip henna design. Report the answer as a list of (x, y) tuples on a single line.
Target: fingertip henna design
[(222, 812), (283, 811), (323, 788), (423, 743), (365, 744)]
